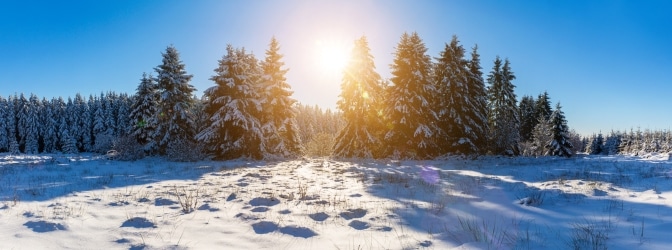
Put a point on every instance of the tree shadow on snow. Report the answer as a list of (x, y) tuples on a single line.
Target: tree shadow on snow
[(40, 177)]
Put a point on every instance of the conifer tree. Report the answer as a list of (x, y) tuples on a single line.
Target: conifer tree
[(12, 114), (478, 97), (82, 134), (28, 124), (503, 110), (172, 123), (528, 117), (144, 108), (412, 121), (461, 99), (233, 105), (361, 102), (542, 108), (559, 144), (4, 130), (278, 120)]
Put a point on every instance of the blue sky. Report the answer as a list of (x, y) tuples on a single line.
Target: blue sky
[(607, 62)]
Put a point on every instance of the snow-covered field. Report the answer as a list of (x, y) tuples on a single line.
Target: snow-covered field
[(89, 202)]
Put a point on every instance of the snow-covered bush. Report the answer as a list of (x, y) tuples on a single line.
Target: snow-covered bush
[(184, 151), (128, 149)]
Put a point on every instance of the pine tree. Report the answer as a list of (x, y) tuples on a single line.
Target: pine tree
[(233, 106), (12, 121), (412, 121), (478, 98), (541, 136), (559, 144), (503, 110), (360, 102), (596, 144), (173, 123), (528, 117), (278, 120), (461, 96), (143, 110), (542, 108), (82, 133), (4, 130), (28, 124)]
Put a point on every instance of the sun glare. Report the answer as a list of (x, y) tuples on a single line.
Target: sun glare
[(331, 56)]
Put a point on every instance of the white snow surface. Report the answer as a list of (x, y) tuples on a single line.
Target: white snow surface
[(90, 202)]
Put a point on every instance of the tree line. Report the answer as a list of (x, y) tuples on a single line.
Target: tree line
[(429, 107)]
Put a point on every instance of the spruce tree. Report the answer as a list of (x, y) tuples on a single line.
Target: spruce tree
[(360, 102), (278, 120), (144, 108), (82, 132), (559, 144), (172, 123), (528, 117), (233, 129), (12, 122), (412, 121), (503, 110), (478, 97), (542, 107), (4, 130), (29, 124), (461, 100)]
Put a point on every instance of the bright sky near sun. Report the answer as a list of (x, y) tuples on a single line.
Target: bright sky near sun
[(607, 62)]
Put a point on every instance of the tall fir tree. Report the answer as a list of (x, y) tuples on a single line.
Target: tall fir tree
[(173, 124), (278, 117), (542, 108), (528, 117), (559, 144), (143, 110), (83, 123), (233, 105), (478, 97), (503, 111), (361, 103), (412, 124), (461, 100), (12, 122), (4, 130), (29, 124)]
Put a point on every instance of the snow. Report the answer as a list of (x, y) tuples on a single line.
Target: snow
[(89, 202)]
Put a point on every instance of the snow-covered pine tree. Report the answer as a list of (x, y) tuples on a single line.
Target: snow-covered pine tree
[(596, 144), (459, 106), (173, 124), (541, 136), (503, 110), (412, 121), (12, 121), (4, 130), (612, 143), (82, 132), (143, 109), (559, 144), (478, 97), (102, 136), (542, 107), (122, 120), (277, 117), (528, 118), (233, 106), (58, 123), (29, 127), (361, 103)]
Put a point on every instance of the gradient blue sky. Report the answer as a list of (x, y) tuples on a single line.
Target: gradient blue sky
[(608, 62)]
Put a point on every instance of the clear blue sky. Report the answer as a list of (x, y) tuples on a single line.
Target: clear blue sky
[(608, 62)]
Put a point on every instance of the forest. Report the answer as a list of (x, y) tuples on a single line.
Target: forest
[(430, 107)]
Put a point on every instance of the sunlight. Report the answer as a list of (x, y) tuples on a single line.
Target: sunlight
[(331, 56)]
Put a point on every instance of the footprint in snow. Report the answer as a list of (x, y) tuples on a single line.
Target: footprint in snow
[(138, 222)]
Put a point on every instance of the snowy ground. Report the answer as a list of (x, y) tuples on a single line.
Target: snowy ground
[(88, 202)]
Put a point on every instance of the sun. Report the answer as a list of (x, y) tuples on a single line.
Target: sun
[(331, 56)]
